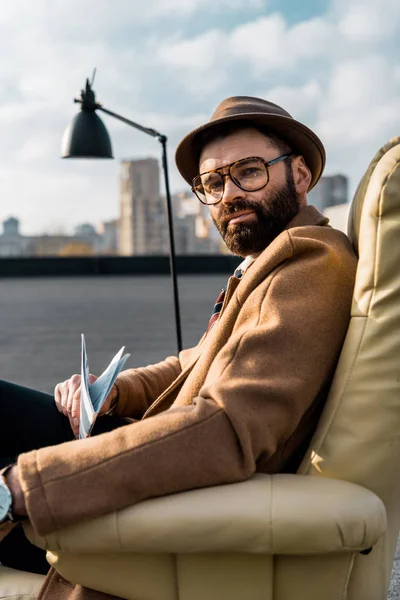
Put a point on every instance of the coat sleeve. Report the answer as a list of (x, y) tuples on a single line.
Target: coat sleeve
[(259, 387), (138, 388)]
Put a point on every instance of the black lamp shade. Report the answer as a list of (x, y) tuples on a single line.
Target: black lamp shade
[(86, 137)]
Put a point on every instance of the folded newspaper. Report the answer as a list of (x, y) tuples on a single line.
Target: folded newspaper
[(94, 395)]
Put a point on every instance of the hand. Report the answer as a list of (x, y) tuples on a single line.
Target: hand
[(67, 396)]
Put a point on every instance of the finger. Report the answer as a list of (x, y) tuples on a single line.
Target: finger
[(73, 385), (57, 397), (75, 409), (74, 412), (61, 398), (68, 400), (74, 422)]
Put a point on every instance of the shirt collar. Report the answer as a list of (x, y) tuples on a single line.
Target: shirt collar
[(244, 265)]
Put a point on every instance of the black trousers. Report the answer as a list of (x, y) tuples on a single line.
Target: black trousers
[(30, 420)]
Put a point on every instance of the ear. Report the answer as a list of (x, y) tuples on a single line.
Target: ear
[(301, 175)]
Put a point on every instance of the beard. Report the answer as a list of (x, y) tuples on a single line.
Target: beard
[(273, 212)]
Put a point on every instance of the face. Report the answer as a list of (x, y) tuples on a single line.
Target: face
[(249, 221)]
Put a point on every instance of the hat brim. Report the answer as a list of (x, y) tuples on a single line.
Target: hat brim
[(302, 140)]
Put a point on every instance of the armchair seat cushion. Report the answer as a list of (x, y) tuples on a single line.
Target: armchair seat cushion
[(18, 585), (268, 514)]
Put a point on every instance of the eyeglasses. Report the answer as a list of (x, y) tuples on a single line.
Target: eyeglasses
[(249, 174)]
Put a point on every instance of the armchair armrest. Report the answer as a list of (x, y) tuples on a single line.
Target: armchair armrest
[(267, 514)]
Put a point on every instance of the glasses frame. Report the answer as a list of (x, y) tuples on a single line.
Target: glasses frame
[(267, 164)]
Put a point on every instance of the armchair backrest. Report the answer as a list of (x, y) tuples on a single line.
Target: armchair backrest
[(358, 437)]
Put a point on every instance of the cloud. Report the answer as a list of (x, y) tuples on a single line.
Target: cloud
[(179, 7), (260, 43), (198, 62), (361, 101), (302, 101), (194, 55), (263, 45), (34, 149), (369, 21), (269, 44), (93, 16)]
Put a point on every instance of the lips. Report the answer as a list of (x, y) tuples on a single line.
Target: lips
[(240, 216)]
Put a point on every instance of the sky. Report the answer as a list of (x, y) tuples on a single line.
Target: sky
[(167, 64)]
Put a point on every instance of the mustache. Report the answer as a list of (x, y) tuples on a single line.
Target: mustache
[(240, 205)]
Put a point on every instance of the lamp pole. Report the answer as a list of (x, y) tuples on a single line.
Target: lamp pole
[(89, 105)]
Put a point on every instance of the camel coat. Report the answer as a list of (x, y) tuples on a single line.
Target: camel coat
[(246, 399)]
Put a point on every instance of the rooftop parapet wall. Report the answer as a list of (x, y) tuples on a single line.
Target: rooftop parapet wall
[(115, 265)]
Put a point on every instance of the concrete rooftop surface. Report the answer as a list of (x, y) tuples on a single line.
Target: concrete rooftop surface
[(42, 319)]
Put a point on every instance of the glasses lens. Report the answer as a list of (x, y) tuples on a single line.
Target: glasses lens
[(209, 187), (250, 174)]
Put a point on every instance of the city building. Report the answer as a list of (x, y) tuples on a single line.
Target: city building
[(55, 245), (85, 241), (86, 235), (194, 230), (109, 230), (331, 190), (143, 219), (12, 243)]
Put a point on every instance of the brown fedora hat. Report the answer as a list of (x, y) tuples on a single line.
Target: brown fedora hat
[(261, 112)]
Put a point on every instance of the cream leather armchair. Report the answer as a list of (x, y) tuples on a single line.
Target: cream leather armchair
[(329, 531)]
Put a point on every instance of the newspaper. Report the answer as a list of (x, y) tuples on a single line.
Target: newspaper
[(94, 395)]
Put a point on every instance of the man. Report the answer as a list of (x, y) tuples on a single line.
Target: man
[(248, 397)]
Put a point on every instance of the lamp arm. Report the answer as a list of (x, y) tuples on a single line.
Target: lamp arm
[(147, 130), (89, 104)]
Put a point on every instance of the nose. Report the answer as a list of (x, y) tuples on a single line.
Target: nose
[(231, 191)]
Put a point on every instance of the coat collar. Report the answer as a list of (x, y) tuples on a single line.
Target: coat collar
[(308, 215)]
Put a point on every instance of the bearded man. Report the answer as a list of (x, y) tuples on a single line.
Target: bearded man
[(248, 397)]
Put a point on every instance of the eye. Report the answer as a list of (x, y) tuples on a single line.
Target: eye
[(212, 184), (249, 171)]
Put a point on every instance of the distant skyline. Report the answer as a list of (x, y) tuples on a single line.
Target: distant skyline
[(334, 64)]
